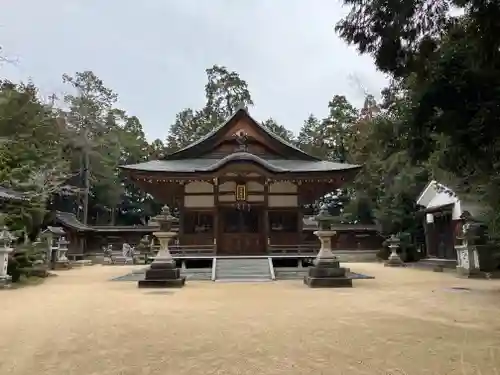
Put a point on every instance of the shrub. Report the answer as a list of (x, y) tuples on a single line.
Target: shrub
[(21, 262)]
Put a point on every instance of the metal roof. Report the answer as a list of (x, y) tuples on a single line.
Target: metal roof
[(209, 165), (69, 220)]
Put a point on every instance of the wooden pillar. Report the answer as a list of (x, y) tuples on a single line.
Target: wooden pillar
[(266, 213), (181, 212), (216, 213), (300, 213)]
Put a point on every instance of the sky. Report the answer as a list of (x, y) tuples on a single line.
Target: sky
[(153, 53)]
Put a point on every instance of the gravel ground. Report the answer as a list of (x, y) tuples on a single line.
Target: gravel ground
[(405, 321)]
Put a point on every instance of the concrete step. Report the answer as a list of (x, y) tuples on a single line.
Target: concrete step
[(255, 269)]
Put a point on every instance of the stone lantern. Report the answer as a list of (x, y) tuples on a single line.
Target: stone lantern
[(326, 271), (163, 272), (62, 261), (6, 239), (394, 259)]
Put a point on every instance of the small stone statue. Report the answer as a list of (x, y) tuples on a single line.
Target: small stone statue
[(127, 251)]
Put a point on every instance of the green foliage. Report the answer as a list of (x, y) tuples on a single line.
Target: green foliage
[(279, 130), (446, 66), (21, 261), (225, 92), (33, 154), (311, 138)]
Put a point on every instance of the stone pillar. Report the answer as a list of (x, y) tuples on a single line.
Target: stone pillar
[(394, 260), (326, 271), (163, 272), (5, 250), (467, 255)]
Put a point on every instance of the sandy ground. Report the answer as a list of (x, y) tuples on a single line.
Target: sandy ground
[(403, 322)]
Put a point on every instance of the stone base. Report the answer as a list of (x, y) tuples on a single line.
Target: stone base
[(476, 274), (394, 265), (328, 282), (327, 274), (5, 283), (174, 283), (394, 262), (163, 275)]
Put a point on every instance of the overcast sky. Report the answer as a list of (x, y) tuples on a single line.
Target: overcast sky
[(154, 53)]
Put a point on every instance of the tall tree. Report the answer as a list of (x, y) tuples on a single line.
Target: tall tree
[(310, 138), (88, 122), (279, 130), (134, 204), (337, 127), (225, 91), (32, 152)]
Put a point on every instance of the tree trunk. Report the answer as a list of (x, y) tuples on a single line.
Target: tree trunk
[(86, 179)]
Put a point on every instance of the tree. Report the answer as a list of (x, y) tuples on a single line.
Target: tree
[(444, 61), (279, 130), (89, 121), (135, 205), (187, 128), (311, 138), (338, 126), (32, 152), (225, 91)]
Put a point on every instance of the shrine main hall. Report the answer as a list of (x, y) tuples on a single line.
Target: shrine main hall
[(240, 190)]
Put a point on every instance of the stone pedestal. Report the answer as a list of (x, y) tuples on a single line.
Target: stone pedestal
[(163, 272), (5, 280), (394, 259), (326, 272), (467, 261)]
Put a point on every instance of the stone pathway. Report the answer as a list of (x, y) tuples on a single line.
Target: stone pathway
[(405, 321)]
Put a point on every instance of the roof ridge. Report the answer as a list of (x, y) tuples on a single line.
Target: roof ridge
[(244, 109)]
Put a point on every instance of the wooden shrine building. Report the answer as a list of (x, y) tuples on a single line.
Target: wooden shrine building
[(239, 189)]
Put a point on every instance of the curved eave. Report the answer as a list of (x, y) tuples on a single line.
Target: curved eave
[(276, 166)]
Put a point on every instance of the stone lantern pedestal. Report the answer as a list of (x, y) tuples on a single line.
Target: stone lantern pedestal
[(326, 271), (394, 260), (163, 272), (5, 250)]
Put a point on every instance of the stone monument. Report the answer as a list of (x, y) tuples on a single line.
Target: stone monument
[(394, 259), (467, 248), (163, 272), (5, 249), (326, 271)]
